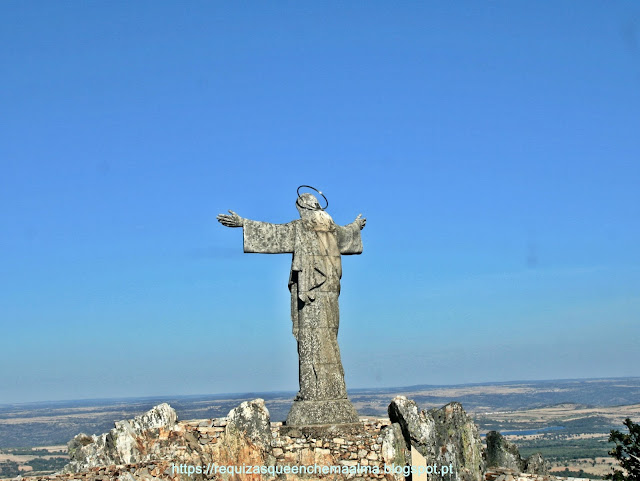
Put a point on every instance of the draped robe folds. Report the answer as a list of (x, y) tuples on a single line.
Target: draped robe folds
[(314, 283)]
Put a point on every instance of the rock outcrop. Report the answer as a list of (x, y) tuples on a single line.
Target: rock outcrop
[(445, 436), (128, 442), (504, 454), (246, 439), (458, 442), (418, 427)]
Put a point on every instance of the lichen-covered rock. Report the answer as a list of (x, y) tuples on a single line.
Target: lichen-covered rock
[(502, 453), (536, 464), (252, 418), (394, 448), (418, 427), (128, 442), (246, 441), (79, 441), (458, 442), (445, 436)]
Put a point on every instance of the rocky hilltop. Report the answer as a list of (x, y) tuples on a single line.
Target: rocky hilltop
[(245, 445)]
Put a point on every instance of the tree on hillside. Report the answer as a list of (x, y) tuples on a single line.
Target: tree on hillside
[(627, 452)]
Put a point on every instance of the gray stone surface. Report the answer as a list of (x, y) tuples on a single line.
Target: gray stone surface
[(394, 447), (504, 454), (317, 431), (418, 427), (252, 419), (317, 245), (78, 442), (458, 442), (334, 411)]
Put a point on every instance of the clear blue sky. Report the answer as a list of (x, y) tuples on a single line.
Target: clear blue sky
[(493, 147)]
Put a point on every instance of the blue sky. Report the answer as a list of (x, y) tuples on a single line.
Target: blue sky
[(493, 147)]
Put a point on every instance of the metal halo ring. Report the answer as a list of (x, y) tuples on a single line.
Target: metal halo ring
[(312, 188)]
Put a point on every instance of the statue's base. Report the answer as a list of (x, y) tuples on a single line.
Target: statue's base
[(318, 431), (327, 411)]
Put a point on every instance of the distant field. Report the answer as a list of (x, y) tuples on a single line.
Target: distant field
[(582, 412), (32, 461), (579, 443)]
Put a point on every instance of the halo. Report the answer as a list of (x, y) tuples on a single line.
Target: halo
[(312, 188)]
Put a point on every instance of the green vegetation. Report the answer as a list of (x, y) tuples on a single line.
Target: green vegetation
[(563, 449), (44, 461), (627, 452), (9, 469), (488, 424), (31, 452), (47, 465), (574, 474)]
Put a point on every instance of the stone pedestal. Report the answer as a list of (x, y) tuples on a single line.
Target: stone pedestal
[(327, 411)]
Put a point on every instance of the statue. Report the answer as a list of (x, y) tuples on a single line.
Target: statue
[(316, 243)]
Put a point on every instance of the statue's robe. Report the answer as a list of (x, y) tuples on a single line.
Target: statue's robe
[(314, 283)]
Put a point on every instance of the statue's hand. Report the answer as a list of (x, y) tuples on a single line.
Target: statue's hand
[(233, 220), (360, 221)]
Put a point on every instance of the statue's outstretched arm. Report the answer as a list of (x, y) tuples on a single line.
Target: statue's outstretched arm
[(233, 220)]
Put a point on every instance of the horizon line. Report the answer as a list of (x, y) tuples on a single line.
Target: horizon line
[(246, 393)]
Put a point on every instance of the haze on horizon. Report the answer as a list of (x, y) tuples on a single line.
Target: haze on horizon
[(493, 150)]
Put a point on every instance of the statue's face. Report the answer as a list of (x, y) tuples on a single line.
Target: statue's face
[(310, 210), (307, 202)]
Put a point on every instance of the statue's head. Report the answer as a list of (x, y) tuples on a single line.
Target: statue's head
[(310, 210), (307, 201)]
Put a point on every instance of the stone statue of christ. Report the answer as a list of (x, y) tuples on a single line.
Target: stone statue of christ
[(316, 243)]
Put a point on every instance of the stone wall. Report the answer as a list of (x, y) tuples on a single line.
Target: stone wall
[(346, 447), (301, 446)]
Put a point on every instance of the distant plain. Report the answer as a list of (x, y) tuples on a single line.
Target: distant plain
[(567, 420)]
